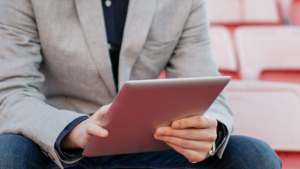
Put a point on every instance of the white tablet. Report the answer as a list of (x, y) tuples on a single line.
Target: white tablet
[(144, 105)]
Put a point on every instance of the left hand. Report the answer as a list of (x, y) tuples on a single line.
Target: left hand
[(192, 137)]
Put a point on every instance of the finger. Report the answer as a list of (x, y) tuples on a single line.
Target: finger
[(97, 117), (96, 130), (189, 134), (200, 122), (187, 144), (191, 155)]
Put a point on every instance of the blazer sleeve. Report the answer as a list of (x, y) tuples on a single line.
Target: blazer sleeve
[(23, 109), (193, 57)]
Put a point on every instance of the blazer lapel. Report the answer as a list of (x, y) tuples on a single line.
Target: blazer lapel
[(138, 21), (92, 21)]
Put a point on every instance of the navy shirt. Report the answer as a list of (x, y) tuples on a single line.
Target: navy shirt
[(115, 17)]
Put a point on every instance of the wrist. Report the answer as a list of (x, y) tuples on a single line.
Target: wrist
[(70, 140)]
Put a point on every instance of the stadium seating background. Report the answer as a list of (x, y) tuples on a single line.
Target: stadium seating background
[(257, 43), (265, 47)]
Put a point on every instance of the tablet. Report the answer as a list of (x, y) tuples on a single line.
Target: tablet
[(142, 106)]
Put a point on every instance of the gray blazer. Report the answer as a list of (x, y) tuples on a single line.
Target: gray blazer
[(55, 65)]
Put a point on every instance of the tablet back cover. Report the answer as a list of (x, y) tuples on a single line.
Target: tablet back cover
[(142, 106)]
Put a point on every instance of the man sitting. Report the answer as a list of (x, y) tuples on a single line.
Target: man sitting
[(60, 61)]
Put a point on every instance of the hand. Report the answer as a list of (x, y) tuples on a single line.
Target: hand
[(82, 133), (192, 137)]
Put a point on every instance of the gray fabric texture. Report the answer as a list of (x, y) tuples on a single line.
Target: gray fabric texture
[(55, 65)]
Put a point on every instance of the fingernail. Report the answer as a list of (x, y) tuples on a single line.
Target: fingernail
[(158, 137), (103, 133), (161, 131), (176, 124)]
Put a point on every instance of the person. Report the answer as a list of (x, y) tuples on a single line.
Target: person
[(60, 61)]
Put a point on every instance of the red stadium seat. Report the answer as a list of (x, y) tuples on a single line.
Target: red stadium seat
[(290, 160), (243, 12), (222, 47), (224, 11), (260, 11), (269, 53), (269, 111)]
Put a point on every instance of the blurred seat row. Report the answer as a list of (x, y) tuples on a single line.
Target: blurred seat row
[(258, 52), (257, 43), (253, 11), (265, 93)]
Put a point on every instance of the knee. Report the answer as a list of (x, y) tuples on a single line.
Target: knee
[(247, 152), (19, 152)]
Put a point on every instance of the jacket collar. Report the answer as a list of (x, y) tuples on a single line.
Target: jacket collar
[(138, 22)]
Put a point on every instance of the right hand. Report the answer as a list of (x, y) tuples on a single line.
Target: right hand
[(82, 133)]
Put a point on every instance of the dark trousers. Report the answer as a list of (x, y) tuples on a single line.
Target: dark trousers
[(18, 152)]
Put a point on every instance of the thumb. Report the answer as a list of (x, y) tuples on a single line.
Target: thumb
[(93, 129), (97, 117)]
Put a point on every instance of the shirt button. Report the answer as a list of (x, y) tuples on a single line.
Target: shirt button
[(108, 3)]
